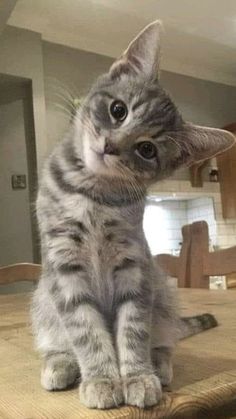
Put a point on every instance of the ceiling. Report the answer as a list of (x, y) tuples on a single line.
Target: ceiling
[(199, 38)]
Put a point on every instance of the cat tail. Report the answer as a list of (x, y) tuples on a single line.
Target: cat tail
[(196, 324)]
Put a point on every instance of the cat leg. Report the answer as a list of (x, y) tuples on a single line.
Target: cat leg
[(162, 362), (93, 347), (100, 386), (164, 338), (141, 386), (60, 368)]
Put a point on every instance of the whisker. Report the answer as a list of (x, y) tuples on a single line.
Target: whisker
[(134, 190), (64, 110), (54, 83)]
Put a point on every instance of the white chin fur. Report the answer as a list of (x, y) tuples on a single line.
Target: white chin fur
[(97, 163)]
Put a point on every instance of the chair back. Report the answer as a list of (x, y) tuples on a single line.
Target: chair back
[(195, 263), (19, 272)]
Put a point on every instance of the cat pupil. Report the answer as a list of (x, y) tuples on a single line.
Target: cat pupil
[(146, 149), (118, 110)]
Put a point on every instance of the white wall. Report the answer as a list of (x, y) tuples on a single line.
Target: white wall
[(67, 71), (162, 225), (6, 8), (200, 101), (21, 55), (15, 225)]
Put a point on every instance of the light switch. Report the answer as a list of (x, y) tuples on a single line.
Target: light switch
[(18, 181)]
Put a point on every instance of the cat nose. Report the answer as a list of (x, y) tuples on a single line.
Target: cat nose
[(110, 148)]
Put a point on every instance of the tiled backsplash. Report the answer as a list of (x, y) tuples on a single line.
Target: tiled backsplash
[(163, 222)]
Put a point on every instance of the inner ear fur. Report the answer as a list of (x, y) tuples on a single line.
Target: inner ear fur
[(142, 57)]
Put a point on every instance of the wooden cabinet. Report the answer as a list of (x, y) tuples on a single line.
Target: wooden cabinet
[(227, 177)]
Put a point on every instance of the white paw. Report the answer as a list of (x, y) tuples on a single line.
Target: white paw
[(58, 376), (101, 393), (142, 391)]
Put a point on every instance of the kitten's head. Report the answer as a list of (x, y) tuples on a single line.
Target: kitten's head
[(132, 127)]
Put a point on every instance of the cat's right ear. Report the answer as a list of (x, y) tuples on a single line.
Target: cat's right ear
[(142, 57)]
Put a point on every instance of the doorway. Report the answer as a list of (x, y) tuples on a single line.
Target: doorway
[(18, 173)]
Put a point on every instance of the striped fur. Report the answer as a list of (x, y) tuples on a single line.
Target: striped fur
[(197, 324), (101, 305)]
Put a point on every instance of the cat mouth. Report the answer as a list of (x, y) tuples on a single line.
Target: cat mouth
[(99, 159), (103, 156), (99, 153), (103, 162)]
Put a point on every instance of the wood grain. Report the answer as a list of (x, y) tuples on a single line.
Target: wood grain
[(205, 368)]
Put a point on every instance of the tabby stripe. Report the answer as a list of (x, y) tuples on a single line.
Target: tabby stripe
[(49, 194), (67, 268), (70, 306), (109, 236), (126, 264), (82, 340), (76, 237), (102, 93), (54, 288), (128, 297), (111, 223), (133, 334), (57, 232), (70, 156), (81, 226), (159, 133), (138, 104), (110, 200), (85, 340), (142, 298), (57, 175)]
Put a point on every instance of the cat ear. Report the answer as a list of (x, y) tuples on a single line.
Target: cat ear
[(142, 55), (202, 143)]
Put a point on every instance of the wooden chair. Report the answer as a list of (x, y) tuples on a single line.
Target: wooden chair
[(19, 272), (195, 263)]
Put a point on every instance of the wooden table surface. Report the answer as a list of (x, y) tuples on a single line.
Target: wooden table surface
[(205, 368)]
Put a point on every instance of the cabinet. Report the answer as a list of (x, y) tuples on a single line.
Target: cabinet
[(227, 178)]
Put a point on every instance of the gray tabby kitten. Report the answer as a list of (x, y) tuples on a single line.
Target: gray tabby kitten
[(101, 304)]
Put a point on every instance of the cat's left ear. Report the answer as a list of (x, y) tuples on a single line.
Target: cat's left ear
[(202, 143), (142, 56)]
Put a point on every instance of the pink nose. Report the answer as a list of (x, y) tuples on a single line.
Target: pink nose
[(110, 148)]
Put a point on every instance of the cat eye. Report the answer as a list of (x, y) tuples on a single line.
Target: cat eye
[(118, 110), (147, 150)]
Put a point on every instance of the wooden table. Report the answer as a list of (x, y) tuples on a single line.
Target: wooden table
[(205, 368)]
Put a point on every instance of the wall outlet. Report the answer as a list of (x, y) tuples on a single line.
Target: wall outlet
[(18, 181), (218, 283)]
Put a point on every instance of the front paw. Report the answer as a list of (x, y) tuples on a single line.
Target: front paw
[(142, 391), (101, 393)]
